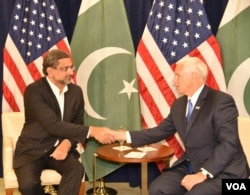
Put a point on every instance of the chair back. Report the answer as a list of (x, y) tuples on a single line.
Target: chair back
[(244, 134), (12, 124)]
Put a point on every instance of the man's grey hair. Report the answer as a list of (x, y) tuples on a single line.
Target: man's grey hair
[(195, 64)]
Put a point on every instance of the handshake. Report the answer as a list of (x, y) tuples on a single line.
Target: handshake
[(105, 135)]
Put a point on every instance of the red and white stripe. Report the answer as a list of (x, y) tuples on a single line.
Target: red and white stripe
[(17, 75)]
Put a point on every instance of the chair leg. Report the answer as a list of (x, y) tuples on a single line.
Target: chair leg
[(9, 191), (82, 189), (50, 189)]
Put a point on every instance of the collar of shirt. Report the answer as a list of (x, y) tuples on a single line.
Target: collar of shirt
[(55, 89), (195, 97), (59, 96)]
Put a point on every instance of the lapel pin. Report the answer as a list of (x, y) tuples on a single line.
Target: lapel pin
[(197, 107)]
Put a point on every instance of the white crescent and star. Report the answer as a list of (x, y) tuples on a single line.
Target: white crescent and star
[(128, 89), (237, 85), (87, 66)]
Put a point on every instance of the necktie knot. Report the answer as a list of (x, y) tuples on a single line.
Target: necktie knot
[(190, 110)]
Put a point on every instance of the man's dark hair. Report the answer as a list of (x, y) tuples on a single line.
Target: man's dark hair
[(51, 59)]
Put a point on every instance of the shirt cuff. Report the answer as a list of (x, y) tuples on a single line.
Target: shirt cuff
[(88, 133), (56, 143), (206, 173), (128, 138)]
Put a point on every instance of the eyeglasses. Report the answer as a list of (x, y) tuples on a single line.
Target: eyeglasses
[(66, 68)]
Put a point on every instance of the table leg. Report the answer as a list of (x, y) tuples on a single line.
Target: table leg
[(94, 173), (144, 178), (101, 189)]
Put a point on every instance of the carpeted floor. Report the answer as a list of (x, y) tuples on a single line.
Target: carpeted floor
[(121, 188)]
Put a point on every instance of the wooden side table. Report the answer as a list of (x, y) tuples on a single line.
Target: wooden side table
[(162, 152)]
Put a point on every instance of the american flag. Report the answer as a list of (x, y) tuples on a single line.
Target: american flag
[(35, 29), (175, 29)]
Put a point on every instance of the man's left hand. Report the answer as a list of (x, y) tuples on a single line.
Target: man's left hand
[(61, 151), (189, 181)]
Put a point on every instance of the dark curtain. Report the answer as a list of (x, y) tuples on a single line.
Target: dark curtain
[(68, 11), (137, 13)]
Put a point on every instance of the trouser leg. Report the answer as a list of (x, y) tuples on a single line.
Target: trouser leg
[(28, 177), (72, 172)]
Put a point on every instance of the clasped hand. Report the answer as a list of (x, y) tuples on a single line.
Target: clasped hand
[(105, 135)]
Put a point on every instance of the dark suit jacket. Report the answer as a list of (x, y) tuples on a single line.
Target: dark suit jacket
[(211, 138), (43, 123)]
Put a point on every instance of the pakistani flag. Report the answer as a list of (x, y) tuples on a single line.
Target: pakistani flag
[(234, 37), (103, 53)]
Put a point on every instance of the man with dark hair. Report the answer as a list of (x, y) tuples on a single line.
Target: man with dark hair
[(53, 126)]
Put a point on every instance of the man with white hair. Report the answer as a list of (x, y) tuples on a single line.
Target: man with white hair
[(206, 121)]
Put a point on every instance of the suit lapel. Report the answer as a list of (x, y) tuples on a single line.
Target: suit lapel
[(53, 98), (68, 104), (197, 108)]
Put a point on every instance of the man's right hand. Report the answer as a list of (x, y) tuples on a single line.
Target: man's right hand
[(119, 135), (102, 134)]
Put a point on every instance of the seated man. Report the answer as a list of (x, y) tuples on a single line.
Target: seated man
[(206, 121), (53, 126)]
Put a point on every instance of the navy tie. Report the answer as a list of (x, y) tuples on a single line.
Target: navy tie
[(190, 109), (189, 167)]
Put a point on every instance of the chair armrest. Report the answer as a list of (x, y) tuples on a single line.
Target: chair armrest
[(8, 152)]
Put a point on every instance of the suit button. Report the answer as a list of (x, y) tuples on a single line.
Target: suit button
[(45, 151)]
